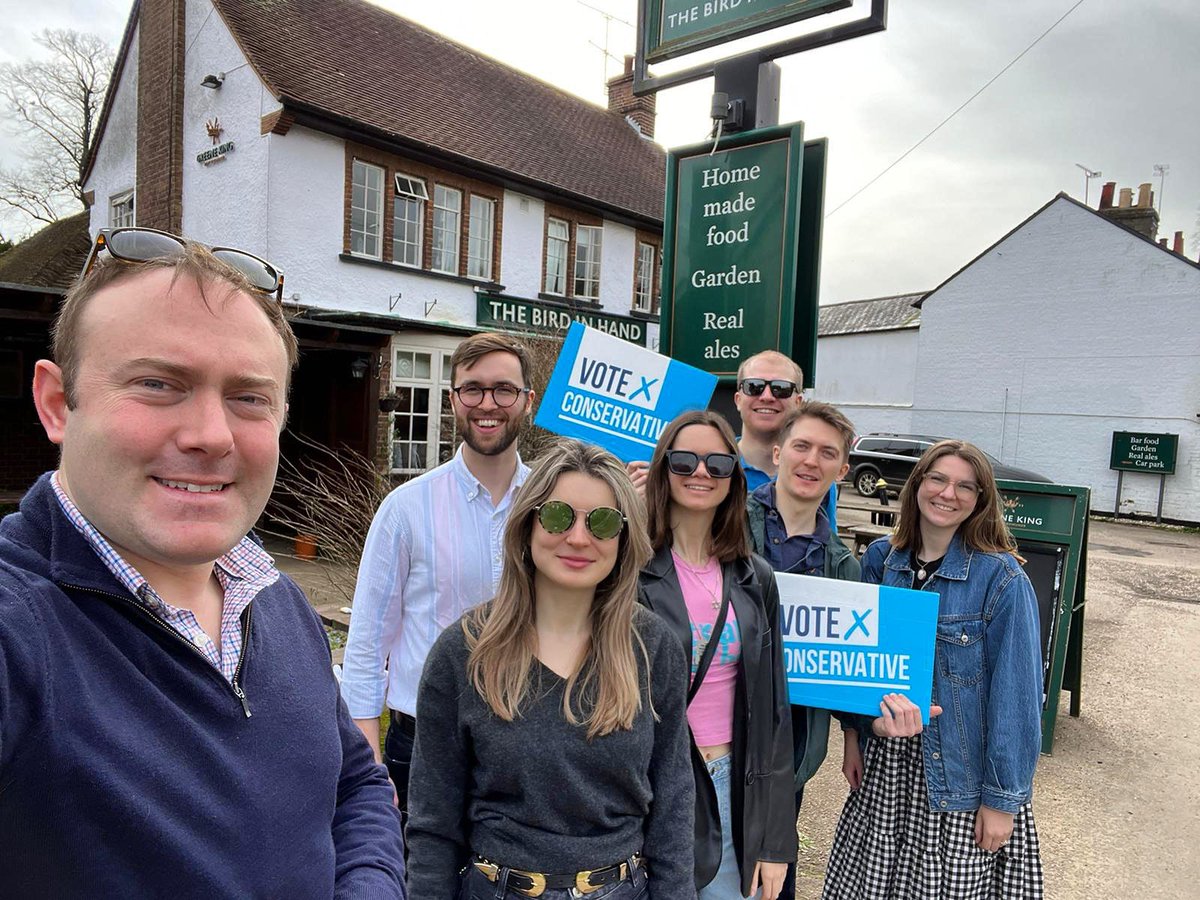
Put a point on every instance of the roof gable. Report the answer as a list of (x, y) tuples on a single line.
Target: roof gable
[(357, 63)]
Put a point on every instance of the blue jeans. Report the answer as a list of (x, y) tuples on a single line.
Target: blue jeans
[(727, 883), (475, 886)]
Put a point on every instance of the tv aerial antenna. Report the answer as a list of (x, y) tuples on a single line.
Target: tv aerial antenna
[(1088, 175), (609, 18), (1162, 170)]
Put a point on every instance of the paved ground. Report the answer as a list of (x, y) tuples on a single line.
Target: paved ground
[(1118, 804)]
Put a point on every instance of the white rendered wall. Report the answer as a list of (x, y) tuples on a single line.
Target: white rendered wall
[(224, 202), (870, 377), (1068, 330), (114, 169), (616, 268), (521, 246)]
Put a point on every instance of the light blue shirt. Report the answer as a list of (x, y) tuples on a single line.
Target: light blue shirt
[(433, 551)]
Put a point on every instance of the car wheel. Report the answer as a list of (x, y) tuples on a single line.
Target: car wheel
[(865, 480)]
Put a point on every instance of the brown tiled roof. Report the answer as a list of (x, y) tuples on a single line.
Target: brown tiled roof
[(50, 258), (357, 63), (880, 314)]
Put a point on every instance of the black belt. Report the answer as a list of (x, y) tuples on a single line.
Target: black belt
[(533, 884), (404, 722)]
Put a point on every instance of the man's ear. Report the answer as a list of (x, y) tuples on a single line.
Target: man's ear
[(842, 471), (50, 399), (775, 456)]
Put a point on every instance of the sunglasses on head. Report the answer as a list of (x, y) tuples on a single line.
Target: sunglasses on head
[(685, 462), (558, 516), (781, 389), (134, 245)]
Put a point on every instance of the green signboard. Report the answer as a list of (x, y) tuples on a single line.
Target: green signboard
[(1134, 451), (1049, 522), (730, 249), (673, 27), (537, 317)]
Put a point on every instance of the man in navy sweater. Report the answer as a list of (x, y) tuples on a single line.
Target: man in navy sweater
[(169, 720)]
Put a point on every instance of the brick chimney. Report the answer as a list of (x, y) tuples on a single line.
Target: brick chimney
[(1178, 245), (161, 34), (1140, 217), (621, 100)]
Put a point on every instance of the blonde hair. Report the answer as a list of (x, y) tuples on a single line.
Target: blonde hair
[(501, 636), (772, 356), (984, 529)]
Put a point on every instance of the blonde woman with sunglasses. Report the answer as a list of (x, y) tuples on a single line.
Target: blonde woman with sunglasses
[(723, 608), (551, 755)]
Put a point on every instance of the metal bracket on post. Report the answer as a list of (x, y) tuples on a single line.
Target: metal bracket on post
[(751, 93)]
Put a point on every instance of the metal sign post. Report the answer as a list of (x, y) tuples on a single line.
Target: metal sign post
[(1138, 451)]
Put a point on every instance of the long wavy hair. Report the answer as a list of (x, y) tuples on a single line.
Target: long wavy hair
[(984, 529), (729, 539), (604, 692)]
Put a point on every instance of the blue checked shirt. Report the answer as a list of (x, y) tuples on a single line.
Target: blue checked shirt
[(242, 573), (434, 550)]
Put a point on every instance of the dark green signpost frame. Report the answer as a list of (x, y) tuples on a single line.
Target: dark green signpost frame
[(1135, 451), (732, 266), (674, 27), (1050, 524)]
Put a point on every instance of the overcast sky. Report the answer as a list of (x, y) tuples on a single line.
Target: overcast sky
[(1116, 87)]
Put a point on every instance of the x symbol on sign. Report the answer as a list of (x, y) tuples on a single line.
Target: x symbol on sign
[(860, 621), (645, 388)]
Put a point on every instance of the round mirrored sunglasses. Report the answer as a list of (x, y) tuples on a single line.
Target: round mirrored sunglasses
[(558, 516)]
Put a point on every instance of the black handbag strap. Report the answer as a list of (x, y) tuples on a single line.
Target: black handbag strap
[(710, 649)]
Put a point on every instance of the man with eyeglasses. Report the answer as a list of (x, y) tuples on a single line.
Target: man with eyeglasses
[(435, 547), (169, 720)]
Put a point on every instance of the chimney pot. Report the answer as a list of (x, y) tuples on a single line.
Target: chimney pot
[(1126, 200), (628, 64), (1162, 242), (1106, 194), (1145, 195), (1142, 218), (1178, 248)]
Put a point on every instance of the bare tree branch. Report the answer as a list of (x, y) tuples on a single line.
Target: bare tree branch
[(54, 103)]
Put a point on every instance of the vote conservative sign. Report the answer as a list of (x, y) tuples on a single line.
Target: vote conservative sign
[(846, 644), (616, 395)]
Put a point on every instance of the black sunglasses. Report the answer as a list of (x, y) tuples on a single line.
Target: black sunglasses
[(685, 462), (145, 244), (557, 516), (781, 389)]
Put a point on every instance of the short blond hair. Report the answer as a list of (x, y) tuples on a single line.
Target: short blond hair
[(773, 356)]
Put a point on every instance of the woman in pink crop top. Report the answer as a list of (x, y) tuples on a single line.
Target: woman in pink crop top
[(738, 714)]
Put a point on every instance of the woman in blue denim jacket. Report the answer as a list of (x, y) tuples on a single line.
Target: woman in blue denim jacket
[(946, 813)]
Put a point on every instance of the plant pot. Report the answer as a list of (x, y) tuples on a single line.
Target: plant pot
[(306, 546), (389, 404)]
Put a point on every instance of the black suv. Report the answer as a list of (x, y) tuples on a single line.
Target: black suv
[(894, 455)]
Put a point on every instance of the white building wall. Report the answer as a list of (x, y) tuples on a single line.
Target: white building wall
[(870, 377), (1066, 331), (114, 169), (616, 268), (521, 247)]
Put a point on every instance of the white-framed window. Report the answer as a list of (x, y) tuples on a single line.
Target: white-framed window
[(588, 240), (447, 213), (480, 230), (558, 241), (366, 210), (422, 427), (408, 220), (120, 210), (643, 295)]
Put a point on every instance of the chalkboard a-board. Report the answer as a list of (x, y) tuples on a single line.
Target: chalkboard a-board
[(1044, 566)]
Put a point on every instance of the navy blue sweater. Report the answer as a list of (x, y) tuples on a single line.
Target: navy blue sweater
[(129, 767)]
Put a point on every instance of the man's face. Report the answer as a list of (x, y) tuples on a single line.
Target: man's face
[(810, 458), (489, 429), (762, 415), (172, 447)]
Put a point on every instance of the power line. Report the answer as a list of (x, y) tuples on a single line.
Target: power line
[(960, 108)]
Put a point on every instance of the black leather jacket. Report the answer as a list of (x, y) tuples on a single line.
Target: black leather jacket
[(763, 800)]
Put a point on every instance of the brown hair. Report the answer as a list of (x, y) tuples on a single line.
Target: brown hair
[(984, 529), (775, 356), (477, 346), (827, 413), (729, 540), (501, 635), (196, 263)]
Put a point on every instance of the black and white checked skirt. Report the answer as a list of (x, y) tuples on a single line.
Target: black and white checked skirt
[(889, 845)]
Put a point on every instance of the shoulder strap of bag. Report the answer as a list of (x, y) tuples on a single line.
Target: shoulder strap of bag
[(710, 649)]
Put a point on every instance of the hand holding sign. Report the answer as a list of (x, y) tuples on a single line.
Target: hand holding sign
[(900, 717)]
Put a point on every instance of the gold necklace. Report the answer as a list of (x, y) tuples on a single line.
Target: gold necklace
[(716, 600)]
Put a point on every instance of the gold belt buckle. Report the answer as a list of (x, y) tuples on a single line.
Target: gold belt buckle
[(583, 881), (490, 871), (539, 883)]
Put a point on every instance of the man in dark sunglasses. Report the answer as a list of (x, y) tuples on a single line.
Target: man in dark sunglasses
[(169, 719), (769, 386)]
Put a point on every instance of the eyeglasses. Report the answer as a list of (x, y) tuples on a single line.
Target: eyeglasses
[(685, 462), (781, 389), (502, 394), (964, 490), (558, 516), (134, 245)]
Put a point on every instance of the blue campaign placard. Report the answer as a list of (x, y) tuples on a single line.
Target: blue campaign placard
[(846, 644), (618, 395)]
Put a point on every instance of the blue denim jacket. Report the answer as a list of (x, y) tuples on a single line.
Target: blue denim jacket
[(987, 676)]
